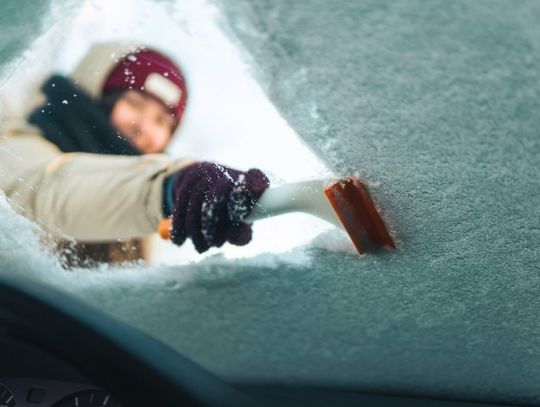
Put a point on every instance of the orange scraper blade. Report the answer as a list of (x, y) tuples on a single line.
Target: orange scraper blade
[(356, 211)]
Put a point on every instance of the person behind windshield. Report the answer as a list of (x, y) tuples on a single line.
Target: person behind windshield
[(88, 162)]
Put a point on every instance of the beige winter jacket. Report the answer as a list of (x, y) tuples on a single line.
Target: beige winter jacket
[(89, 197)]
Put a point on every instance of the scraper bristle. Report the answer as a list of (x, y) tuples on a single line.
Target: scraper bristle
[(356, 211)]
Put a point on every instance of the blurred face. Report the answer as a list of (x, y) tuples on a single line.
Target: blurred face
[(146, 122)]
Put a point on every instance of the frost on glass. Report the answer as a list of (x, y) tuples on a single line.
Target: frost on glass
[(437, 107)]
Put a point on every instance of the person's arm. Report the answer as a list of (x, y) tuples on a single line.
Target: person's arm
[(86, 196)]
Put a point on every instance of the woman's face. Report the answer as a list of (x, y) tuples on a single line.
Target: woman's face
[(146, 122)]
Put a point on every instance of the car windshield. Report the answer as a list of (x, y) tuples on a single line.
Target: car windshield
[(434, 106)]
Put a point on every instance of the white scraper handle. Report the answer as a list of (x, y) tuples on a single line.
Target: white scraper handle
[(306, 196)]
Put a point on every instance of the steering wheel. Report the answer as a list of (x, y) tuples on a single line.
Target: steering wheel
[(137, 369)]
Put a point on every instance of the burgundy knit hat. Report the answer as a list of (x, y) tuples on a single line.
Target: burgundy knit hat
[(153, 73)]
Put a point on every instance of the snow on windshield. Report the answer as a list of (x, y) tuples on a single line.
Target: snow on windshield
[(437, 108), (436, 104)]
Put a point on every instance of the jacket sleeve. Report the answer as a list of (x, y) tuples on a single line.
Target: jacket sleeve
[(89, 197)]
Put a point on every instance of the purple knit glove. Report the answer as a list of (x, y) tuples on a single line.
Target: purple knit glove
[(210, 203)]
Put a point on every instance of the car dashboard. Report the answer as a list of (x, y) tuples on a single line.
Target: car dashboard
[(32, 377), (51, 393)]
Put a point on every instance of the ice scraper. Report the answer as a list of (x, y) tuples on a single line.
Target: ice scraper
[(345, 203)]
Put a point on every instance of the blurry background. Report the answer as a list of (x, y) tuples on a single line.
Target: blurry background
[(229, 119)]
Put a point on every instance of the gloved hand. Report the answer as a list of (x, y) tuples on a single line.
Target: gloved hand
[(210, 202)]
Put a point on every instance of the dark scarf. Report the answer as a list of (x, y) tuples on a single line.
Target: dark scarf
[(73, 121)]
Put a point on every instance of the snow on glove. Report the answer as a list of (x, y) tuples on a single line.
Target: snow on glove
[(211, 202)]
